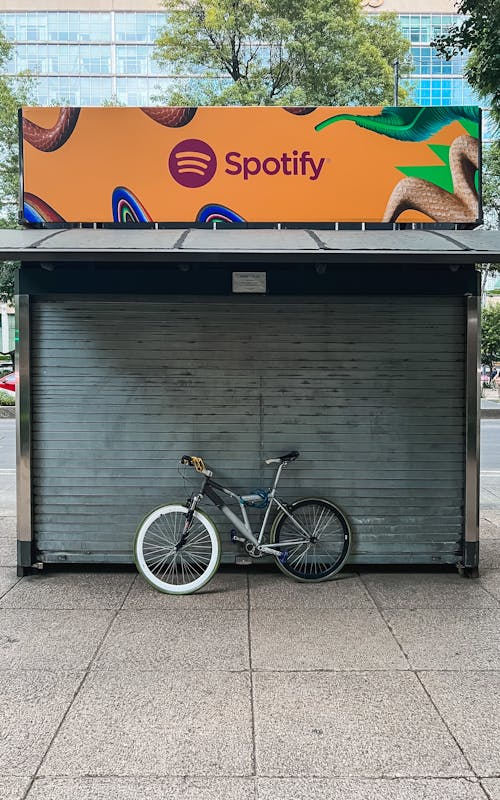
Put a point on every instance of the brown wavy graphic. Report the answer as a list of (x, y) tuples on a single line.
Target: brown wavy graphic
[(300, 111), (415, 194), (49, 139), (171, 117)]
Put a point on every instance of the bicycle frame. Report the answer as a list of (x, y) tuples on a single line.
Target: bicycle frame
[(243, 524)]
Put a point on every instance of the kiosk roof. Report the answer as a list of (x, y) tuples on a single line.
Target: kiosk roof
[(264, 245)]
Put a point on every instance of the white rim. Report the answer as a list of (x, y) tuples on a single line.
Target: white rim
[(170, 588)]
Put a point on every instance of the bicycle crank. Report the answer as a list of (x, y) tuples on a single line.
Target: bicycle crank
[(253, 550)]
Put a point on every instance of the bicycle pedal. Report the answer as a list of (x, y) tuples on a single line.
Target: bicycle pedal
[(283, 557), (235, 538)]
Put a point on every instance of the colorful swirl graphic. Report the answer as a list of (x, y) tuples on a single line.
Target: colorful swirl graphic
[(213, 212), (37, 210), (172, 117), (50, 139), (411, 123), (127, 208)]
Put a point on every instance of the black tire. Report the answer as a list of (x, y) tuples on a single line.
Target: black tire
[(323, 551)]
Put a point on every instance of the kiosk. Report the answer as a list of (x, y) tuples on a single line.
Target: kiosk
[(359, 348)]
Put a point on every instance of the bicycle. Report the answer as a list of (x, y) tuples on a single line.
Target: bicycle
[(177, 547)]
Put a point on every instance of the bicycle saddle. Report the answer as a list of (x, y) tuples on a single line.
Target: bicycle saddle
[(283, 459)]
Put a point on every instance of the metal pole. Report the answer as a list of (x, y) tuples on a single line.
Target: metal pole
[(23, 435), (472, 433), (395, 65)]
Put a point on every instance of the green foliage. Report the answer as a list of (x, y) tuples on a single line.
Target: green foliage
[(491, 184), (6, 399), (13, 93), (490, 334), (7, 276), (287, 52), (479, 34)]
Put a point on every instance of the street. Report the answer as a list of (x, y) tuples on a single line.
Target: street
[(490, 445)]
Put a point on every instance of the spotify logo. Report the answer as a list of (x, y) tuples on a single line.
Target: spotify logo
[(192, 163)]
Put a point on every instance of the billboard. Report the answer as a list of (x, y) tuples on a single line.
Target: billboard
[(250, 165)]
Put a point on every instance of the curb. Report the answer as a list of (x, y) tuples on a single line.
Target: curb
[(7, 412)]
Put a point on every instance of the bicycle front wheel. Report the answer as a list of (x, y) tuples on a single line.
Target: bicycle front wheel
[(167, 563), (316, 538)]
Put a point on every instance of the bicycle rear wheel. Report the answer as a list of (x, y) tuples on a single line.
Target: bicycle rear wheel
[(316, 537), (170, 565)]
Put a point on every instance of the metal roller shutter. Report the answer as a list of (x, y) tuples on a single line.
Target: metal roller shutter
[(369, 389)]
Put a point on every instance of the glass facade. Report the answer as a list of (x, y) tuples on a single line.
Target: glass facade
[(435, 81), (89, 58)]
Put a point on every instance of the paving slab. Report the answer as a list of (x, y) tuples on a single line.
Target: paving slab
[(32, 707), (350, 724), (365, 789), (489, 554), (269, 591), (490, 582), (144, 724), (193, 640), (425, 590), (142, 789), (491, 515), (314, 639), (8, 551), (63, 640), (13, 788), (227, 590), (8, 579), (448, 639), (488, 530), (8, 526), (492, 787), (70, 590), (469, 702)]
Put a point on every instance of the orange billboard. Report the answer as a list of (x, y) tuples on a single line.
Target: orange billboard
[(250, 165)]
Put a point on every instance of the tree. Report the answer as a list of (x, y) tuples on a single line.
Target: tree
[(478, 33), (287, 52), (7, 274), (13, 93), (491, 184), (490, 335)]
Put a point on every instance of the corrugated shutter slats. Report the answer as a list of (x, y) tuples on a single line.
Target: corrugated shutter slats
[(370, 390)]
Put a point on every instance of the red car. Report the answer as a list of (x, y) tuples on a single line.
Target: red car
[(8, 384)]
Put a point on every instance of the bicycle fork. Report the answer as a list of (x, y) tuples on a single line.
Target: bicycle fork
[(191, 506)]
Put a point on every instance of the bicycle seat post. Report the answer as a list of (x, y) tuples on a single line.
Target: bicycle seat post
[(278, 475)]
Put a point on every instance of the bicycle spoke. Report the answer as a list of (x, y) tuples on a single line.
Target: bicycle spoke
[(174, 559), (316, 540)]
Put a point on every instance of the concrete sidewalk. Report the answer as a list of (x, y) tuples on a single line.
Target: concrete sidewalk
[(375, 686)]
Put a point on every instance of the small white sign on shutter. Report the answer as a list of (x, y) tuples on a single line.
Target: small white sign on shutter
[(249, 282)]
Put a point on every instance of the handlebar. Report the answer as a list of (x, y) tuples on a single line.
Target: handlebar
[(197, 463)]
